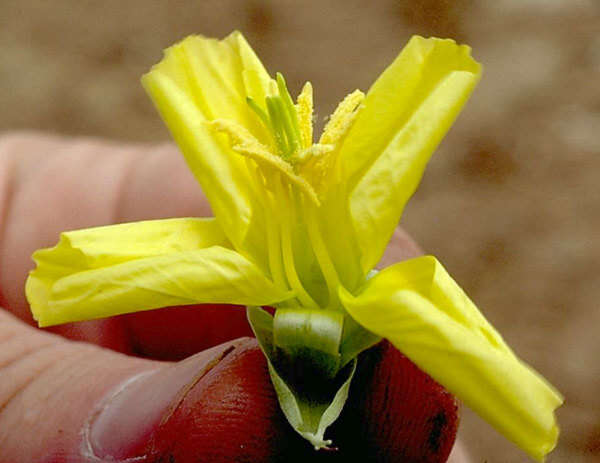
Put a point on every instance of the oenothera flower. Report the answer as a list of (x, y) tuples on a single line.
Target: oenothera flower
[(300, 226)]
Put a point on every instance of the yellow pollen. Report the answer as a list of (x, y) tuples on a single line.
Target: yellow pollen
[(304, 107), (342, 118)]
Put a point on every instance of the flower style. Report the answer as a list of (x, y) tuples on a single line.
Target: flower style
[(300, 226)]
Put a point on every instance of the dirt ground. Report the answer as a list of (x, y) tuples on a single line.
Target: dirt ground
[(510, 203)]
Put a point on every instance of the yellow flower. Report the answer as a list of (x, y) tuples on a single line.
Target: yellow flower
[(300, 226)]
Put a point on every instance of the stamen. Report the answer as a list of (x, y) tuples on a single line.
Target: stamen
[(244, 143), (311, 153), (286, 246), (322, 255), (273, 239), (315, 164), (304, 109)]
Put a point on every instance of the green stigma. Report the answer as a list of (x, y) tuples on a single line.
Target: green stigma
[(281, 118)]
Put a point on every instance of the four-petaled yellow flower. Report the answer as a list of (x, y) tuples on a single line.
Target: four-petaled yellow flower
[(300, 226)]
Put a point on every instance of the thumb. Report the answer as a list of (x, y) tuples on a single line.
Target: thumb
[(73, 402)]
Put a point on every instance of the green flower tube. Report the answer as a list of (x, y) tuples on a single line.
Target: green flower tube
[(300, 225)]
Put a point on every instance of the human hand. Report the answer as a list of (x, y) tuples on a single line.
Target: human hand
[(74, 402)]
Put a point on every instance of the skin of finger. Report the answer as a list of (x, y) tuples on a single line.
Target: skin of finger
[(396, 412), (51, 391), (459, 454), (174, 333), (231, 415), (48, 387)]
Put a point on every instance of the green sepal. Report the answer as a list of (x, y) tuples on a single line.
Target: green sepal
[(355, 340), (261, 323), (309, 416), (312, 405), (307, 342)]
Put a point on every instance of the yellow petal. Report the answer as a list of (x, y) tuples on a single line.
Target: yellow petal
[(256, 78), (98, 247), (218, 76), (209, 275), (200, 79), (108, 245), (406, 113), (423, 312)]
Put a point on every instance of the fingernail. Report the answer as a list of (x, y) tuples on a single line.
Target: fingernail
[(122, 424)]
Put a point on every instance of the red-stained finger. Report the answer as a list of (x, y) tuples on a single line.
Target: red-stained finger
[(62, 401), (69, 402), (401, 413), (174, 333)]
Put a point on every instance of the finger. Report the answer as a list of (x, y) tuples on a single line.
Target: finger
[(174, 333), (459, 454), (396, 412), (390, 417), (71, 402)]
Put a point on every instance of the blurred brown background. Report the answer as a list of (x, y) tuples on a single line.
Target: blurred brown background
[(510, 203)]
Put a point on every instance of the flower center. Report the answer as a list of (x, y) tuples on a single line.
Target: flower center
[(293, 177)]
